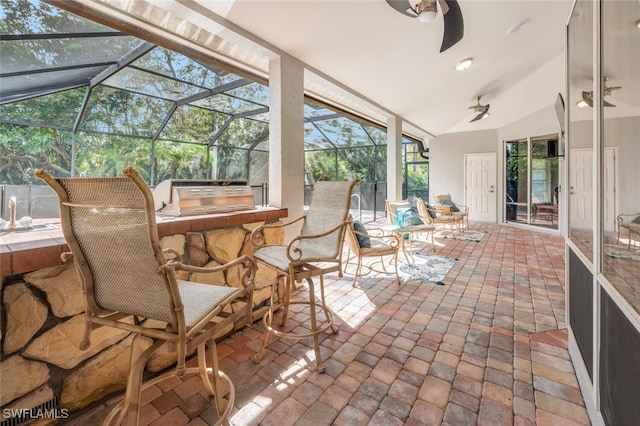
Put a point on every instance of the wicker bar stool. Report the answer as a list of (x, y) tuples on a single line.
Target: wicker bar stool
[(110, 226), (314, 253)]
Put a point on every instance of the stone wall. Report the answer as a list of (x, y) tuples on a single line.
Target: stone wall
[(43, 322)]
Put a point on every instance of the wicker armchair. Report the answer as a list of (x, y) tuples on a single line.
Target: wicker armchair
[(632, 226), (443, 221), (316, 251), (445, 206), (405, 222), (367, 245), (109, 225)]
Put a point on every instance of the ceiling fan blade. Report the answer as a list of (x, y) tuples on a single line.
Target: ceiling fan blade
[(607, 90), (453, 25), (477, 117), (483, 114), (402, 6), (607, 104), (444, 7)]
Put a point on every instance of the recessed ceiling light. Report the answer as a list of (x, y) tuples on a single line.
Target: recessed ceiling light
[(464, 64), (520, 25)]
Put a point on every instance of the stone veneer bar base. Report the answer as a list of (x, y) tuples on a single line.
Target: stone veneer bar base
[(44, 311)]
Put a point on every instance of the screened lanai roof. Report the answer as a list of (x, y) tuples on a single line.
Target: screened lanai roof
[(63, 71)]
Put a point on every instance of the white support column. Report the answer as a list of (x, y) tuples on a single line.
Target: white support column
[(286, 136), (394, 158)]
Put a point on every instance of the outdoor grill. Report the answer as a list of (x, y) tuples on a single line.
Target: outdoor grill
[(188, 197)]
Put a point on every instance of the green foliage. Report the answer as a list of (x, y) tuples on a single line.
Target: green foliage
[(106, 155), (58, 109), (319, 165), (24, 149), (192, 124), (180, 161), (232, 163), (418, 177)]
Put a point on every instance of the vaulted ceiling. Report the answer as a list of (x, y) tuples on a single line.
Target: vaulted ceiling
[(395, 60)]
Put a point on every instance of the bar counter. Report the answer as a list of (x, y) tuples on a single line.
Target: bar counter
[(26, 251)]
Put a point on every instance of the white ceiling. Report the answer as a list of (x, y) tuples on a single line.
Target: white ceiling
[(393, 61)]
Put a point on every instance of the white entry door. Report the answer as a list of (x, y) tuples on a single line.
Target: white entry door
[(480, 186), (581, 189)]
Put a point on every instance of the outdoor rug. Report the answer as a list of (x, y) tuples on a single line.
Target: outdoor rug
[(467, 235), (622, 251), (427, 269)]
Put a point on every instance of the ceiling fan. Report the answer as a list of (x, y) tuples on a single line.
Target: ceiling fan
[(426, 11), (481, 110), (587, 96)]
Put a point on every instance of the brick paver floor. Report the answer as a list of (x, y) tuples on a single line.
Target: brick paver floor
[(489, 347)]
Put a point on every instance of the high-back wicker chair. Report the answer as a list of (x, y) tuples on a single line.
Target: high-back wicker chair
[(316, 251), (109, 224), (446, 207), (444, 221)]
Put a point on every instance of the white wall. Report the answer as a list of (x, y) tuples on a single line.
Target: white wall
[(446, 159), (623, 133), (446, 152), (540, 123)]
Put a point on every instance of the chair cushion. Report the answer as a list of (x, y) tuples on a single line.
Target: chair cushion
[(379, 249), (394, 209), (450, 204), (408, 217), (633, 227), (432, 211), (276, 256), (441, 198), (199, 299), (636, 220), (363, 242)]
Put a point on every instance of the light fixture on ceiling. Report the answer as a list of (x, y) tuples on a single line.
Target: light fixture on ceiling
[(464, 64), (482, 111), (518, 26), (426, 11), (587, 96), (638, 24), (582, 104)]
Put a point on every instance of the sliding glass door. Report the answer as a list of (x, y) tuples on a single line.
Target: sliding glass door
[(531, 181)]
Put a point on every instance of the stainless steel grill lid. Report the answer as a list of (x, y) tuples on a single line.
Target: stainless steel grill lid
[(185, 197)]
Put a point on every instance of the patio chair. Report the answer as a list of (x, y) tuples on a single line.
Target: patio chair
[(405, 222), (632, 226), (444, 221), (363, 243), (445, 206), (110, 227), (316, 251)]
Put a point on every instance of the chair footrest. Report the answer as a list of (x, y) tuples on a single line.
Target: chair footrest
[(171, 374), (326, 324)]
